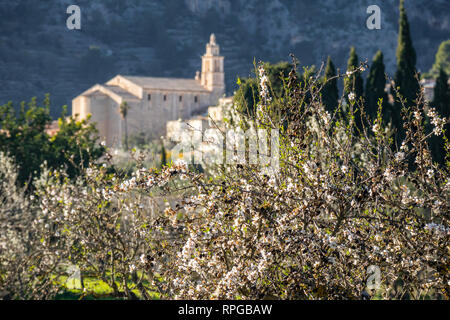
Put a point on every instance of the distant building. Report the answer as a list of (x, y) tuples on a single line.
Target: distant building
[(153, 101)]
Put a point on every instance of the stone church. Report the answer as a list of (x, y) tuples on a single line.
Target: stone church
[(152, 101)]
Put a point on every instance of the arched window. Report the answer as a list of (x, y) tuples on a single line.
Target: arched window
[(195, 99), (165, 97), (180, 98)]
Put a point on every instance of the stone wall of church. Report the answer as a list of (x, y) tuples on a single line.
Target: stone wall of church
[(104, 113), (80, 107), (159, 106)]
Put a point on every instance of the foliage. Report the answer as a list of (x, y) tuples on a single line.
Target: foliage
[(24, 137), (163, 155), (353, 84), (442, 60), (375, 88), (441, 97), (123, 109), (247, 95), (330, 95), (354, 88), (441, 102), (407, 86)]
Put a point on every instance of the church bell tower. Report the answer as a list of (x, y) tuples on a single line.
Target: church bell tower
[(213, 76)]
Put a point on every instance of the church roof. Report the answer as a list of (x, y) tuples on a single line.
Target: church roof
[(120, 91), (107, 90), (175, 84)]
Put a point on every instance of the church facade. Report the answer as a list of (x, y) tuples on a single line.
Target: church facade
[(152, 101)]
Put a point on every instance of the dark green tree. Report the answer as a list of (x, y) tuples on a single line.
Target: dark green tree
[(25, 137), (247, 96), (163, 155), (75, 144), (442, 60), (354, 83), (330, 93), (405, 77), (277, 73), (354, 86), (441, 99), (441, 102), (123, 109), (375, 87)]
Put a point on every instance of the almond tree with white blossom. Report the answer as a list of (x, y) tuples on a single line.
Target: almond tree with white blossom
[(343, 199)]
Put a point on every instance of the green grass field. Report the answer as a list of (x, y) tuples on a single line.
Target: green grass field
[(94, 289)]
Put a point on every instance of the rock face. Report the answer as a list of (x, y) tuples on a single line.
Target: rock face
[(38, 54)]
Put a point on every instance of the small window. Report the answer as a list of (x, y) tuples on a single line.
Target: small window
[(149, 97), (181, 98), (165, 97), (195, 99)]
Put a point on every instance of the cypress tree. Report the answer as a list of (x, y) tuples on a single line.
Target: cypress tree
[(441, 102), (354, 83), (442, 59), (405, 76), (375, 86), (330, 94), (124, 108), (163, 155)]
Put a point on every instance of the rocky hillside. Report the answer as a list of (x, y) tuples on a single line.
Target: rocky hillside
[(38, 54)]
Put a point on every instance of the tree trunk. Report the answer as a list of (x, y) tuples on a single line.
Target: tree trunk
[(126, 134)]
